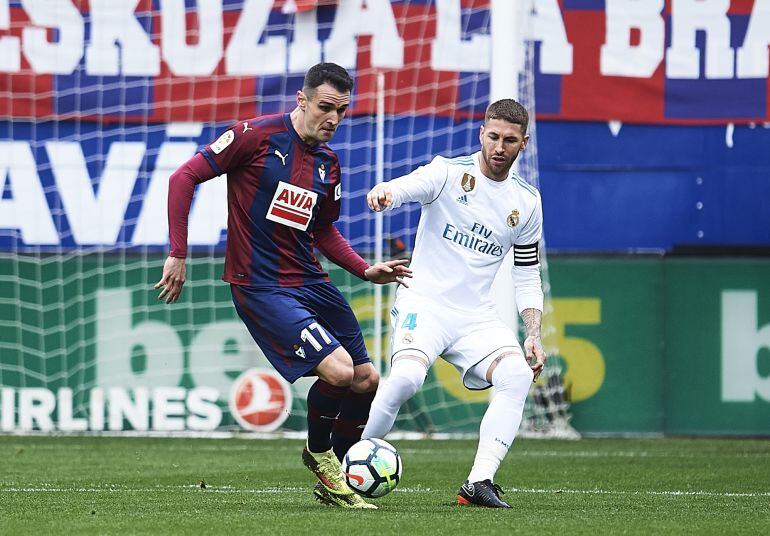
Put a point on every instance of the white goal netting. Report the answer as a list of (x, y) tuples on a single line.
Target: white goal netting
[(100, 101)]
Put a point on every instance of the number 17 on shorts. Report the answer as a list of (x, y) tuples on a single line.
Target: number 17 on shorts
[(315, 336)]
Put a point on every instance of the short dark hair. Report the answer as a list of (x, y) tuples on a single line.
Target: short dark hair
[(330, 73), (508, 110)]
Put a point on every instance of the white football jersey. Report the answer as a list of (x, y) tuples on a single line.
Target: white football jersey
[(468, 224)]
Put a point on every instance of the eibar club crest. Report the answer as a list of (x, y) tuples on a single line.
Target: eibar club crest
[(322, 172), (513, 218), (468, 182)]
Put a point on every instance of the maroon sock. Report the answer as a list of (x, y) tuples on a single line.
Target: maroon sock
[(350, 424), (323, 407)]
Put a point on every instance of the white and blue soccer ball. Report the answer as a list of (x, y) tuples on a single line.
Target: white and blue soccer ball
[(372, 468)]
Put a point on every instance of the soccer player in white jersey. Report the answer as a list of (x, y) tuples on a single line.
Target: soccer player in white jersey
[(474, 210)]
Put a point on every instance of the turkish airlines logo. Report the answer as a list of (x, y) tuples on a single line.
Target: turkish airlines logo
[(292, 206), (260, 400)]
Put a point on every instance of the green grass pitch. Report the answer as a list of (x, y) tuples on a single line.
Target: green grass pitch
[(108, 485)]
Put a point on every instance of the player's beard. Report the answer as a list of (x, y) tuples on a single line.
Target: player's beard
[(501, 168)]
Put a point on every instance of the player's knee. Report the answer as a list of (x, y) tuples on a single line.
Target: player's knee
[(337, 371), (409, 373), (340, 376), (512, 372), (365, 380)]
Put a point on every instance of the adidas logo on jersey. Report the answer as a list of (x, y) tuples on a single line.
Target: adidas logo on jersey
[(463, 200)]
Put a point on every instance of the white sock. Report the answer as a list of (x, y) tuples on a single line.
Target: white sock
[(511, 379), (405, 379)]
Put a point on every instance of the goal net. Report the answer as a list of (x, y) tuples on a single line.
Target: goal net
[(100, 101)]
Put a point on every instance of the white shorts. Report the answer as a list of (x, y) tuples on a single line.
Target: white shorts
[(465, 339)]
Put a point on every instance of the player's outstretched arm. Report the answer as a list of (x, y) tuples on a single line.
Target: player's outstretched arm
[(389, 272), (421, 185), (380, 197), (173, 279), (533, 346), (181, 187)]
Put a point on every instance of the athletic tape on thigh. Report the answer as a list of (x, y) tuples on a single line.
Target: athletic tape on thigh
[(414, 354)]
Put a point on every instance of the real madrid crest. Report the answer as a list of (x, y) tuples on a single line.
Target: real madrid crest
[(322, 172), (513, 218), (468, 182), (407, 338)]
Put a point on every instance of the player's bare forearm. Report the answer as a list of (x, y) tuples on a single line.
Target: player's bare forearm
[(532, 319), (533, 346)]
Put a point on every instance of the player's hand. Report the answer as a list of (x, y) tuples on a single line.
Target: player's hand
[(380, 197), (389, 272), (533, 350), (173, 279)]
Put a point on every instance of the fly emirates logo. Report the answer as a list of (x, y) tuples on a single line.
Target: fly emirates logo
[(477, 240), (292, 206)]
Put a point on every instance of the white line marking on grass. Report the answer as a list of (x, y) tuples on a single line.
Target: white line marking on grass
[(186, 488), (163, 489), (665, 493), (598, 454), (418, 489)]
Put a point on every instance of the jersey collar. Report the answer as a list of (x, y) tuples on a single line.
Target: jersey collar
[(294, 134)]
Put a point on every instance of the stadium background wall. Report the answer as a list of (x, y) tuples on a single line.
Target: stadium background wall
[(650, 345), (630, 162)]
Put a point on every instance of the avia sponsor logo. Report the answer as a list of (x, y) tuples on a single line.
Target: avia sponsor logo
[(108, 215), (260, 400), (477, 240), (292, 206)]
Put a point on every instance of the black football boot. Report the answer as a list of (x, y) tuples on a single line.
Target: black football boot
[(482, 493)]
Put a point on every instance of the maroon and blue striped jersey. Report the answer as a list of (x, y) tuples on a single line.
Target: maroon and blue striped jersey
[(279, 191)]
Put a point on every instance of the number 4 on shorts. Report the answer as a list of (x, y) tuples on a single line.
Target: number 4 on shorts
[(410, 322)]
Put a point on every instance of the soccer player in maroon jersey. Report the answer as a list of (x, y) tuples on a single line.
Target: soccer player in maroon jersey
[(283, 191)]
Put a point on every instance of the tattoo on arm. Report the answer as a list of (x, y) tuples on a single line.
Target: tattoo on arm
[(532, 319)]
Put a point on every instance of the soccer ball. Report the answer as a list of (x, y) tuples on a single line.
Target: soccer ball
[(372, 468)]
